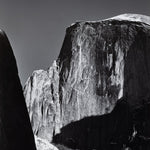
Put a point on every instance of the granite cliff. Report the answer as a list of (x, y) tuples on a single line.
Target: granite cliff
[(15, 128), (96, 85)]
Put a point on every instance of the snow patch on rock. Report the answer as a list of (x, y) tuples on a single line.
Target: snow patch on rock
[(43, 144)]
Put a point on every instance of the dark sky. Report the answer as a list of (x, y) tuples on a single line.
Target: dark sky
[(36, 28)]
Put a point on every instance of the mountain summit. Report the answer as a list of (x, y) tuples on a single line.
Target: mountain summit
[(133, 17)]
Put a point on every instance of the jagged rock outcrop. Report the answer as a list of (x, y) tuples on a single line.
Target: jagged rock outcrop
[(99, 63), (15, 128), (42, 97)]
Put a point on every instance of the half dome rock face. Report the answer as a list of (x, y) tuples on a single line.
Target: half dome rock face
[(99, 63), (15, 129)]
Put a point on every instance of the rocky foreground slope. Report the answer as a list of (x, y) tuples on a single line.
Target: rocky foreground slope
[(15, 128), (89, 97)]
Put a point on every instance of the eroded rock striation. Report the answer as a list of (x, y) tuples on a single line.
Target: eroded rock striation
[(42, 98), (99, 63), (15, 128)]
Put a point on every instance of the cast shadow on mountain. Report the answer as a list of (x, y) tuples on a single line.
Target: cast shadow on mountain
[(112, 131)]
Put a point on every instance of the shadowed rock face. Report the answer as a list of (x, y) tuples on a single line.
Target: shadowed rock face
[(15, 129), (121, 129), (99, 63), (105, 132)]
